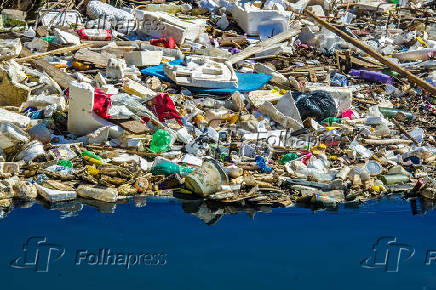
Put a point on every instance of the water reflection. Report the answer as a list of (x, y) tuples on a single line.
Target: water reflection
[(210, 212), (421, 206)]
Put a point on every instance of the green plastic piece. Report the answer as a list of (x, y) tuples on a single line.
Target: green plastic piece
[(91, 154), (161, 141), (288, 157)]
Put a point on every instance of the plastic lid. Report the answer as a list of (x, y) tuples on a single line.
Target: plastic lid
[(374, 167)]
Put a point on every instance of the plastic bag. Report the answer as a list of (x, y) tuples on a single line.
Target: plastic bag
[(161, 141), (318, 105)]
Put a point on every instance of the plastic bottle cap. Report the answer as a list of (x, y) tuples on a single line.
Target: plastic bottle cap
[(374, 167)]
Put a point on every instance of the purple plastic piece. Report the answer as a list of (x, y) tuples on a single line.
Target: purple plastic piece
[(373, 76)]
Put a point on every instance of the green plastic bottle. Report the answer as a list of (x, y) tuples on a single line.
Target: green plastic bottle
[(288, 157), (168, 168), (331, 120), (389, 113), (161, 141)]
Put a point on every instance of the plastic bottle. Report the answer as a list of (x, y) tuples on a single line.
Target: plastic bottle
[(89, 154), (167, 168), (161, 141), (330, 120), (324, 200), (414, 55), (390, 179), (390, 112), (92, 158), (373, 76)]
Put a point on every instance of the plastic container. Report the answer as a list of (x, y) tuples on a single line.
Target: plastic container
[(95, 34), (207, 179)]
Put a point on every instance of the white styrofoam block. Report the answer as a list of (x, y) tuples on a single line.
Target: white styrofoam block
[(81, 117), (203, 72), (252, 19), (160, 24), (143, 58)]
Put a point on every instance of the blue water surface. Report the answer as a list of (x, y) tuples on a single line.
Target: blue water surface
[(286, 248)]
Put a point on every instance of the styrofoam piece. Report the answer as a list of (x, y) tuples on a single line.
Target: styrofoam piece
[(10, 135), (285, 120), (258, 97), (64, 37), (14, 118), (160, 24), (203, 72), (10, 48), (41, 101), (115, 68), (52, 195), (81, 117), (143, 58), (137, 89), (252, 19), (100, 10)]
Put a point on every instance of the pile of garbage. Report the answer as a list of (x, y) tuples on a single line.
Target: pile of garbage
[(262, 103)]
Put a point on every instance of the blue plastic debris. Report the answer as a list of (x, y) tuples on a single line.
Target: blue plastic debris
[(260, 161), (247, 82)]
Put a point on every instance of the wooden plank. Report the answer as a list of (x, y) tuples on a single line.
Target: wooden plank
[(57, 75), (54, 51), (96, 58), (261, 46)]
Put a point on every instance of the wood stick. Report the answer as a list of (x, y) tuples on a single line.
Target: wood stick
[(402, 130), (387, 142), (54, 51), (411, 77), (259, 47)]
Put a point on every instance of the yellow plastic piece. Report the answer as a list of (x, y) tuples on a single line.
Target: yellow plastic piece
[(92, 170), (420, 40), (93, 160), (318, 149), (378, 188)]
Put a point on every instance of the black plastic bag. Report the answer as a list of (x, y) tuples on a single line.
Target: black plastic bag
[(317, 105)]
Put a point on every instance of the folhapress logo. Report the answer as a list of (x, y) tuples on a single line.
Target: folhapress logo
[(38, 254), (387, 254)]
